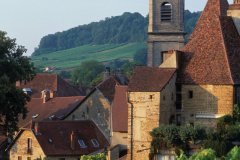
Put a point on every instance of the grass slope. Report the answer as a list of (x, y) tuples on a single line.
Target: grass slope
[(72, 58)]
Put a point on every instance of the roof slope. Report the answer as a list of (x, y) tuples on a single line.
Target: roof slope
[(147, 79), (60, 134), (120, 110), (57, 107), (52, 82), (107, 87), (207, 54)]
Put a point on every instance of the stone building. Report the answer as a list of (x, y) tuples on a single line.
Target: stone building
[(55, 140), (165, 30), (195, 85)]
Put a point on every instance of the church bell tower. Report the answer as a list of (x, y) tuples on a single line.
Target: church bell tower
[(165, 30)]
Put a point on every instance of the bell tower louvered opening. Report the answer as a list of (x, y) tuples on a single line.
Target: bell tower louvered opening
[(166, 12)]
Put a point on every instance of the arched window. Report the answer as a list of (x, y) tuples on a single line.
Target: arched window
[(166, 12)]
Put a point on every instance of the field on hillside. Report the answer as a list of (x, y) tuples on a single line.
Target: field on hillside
[(72, 58)]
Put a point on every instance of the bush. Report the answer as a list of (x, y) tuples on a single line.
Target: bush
[(206, 154), (100, 156)]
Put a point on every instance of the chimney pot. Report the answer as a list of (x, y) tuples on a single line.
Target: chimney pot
[(72, 140)]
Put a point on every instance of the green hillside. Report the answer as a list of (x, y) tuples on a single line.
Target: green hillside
[(72, 58)]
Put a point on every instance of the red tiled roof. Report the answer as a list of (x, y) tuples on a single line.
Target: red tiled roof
[(208, 57), (60, 134), (120, 110), (52, 82), (58, 106), (147, 79)]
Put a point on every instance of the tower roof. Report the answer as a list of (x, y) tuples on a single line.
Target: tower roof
[(212, 54)]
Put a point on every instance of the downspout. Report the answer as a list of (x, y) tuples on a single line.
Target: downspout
[(131, 128)]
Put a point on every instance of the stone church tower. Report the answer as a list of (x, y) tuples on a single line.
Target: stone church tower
[(165, 30)]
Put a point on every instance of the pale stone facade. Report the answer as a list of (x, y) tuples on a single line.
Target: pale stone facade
[(147, 110), (208, 101), (20, 147), (96, 108)]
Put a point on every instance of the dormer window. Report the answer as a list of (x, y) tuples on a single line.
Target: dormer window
[(95, 143), (81, 143), (166, 12)]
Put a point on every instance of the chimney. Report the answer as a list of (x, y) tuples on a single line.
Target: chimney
[(72, 140), (18, 84), (107, 73), (45, 95), (36, 128), (234, 12)]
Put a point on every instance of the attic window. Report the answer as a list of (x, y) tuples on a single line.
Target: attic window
[(166, 12), (29, 145), (81, 143), (95, 143)]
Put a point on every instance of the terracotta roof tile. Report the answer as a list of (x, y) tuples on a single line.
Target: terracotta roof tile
[(120, 110), (147, 79), (107, 87), (206, 58), (54, 138), (56, 107), (52, 82)]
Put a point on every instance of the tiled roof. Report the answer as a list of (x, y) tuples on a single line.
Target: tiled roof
[(107, 87), (120, 109), (59, 132), (147, 79), (58, 106), (210, 57), (52, 82)]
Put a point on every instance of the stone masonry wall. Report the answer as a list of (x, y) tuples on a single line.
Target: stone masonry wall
[(150, 109), (20, 147), (207, 99), (96, 108)]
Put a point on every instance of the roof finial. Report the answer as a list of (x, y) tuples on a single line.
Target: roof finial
[(236, 1)]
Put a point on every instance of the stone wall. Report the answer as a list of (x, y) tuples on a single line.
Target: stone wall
[(20, 147), (119, 138), (206, 100), (96, 108), (150, 109)]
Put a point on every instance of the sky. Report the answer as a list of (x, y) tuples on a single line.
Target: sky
[(29, 20)]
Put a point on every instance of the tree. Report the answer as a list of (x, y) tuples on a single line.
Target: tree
[(13, 67), (141, 56), (206, 154), (88, 73)]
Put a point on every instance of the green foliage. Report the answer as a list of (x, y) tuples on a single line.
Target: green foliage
[(141, 56), (100, 156), (127, 28), (87, 73), (72, 58), (14, 67), (236, 113), (234, 154), (206, 154)]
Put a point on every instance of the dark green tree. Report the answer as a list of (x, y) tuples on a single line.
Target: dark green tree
[(141, 56), (88, 74), (13, 67)]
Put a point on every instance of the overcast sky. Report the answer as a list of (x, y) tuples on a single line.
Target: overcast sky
[(29, 20)]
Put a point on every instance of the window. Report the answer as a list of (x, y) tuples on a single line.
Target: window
[(61, 158), (190, 94), (150, 96), (164, 98), (81, 143), (172, 97), (28, 158), (166, 12), (95, 143), (29, 147), (19, 157)]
